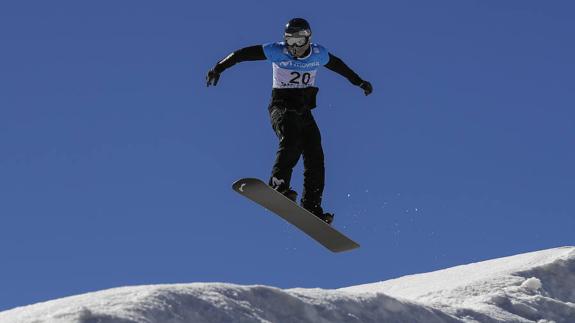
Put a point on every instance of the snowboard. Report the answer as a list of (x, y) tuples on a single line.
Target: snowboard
[(261, 193)]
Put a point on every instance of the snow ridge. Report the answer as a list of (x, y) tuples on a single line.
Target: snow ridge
[(217, 302), (533, 287)]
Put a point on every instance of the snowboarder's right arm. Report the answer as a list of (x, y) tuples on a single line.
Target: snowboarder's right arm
[(251, 53)]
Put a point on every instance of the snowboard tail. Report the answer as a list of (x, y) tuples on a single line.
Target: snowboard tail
[(261, 193)]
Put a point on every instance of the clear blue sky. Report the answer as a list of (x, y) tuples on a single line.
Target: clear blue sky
[(116, 161)]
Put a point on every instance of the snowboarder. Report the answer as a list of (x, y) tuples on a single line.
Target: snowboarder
[(295, 62)]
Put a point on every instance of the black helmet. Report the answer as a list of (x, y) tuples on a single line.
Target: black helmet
[(297, 36), (297, 24)]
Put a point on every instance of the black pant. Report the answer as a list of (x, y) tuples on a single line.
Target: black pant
[(298, 135)]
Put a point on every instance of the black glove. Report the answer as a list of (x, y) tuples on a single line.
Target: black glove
[(366, 87), (212, 77)]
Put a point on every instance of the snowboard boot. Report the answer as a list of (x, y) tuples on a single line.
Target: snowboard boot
[(290, 194), (326, 217), (318, 211), (280, 186), (287, 192)]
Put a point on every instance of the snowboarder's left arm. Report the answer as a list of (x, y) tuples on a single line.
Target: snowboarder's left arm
[(337, 65), (251, 53)]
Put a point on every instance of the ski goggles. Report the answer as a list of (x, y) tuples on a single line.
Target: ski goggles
[(299, 38), (296, 41)]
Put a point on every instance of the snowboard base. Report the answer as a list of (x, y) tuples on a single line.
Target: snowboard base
[(261, 193)]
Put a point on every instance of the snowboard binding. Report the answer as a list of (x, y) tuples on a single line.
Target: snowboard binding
[(318, 211), (281, 186), (325, 217), (287, 192)]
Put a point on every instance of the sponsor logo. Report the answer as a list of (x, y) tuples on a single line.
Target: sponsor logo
[(277, 182), (298, 64)]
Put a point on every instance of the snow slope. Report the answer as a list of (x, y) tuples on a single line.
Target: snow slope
[(533, 287)]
